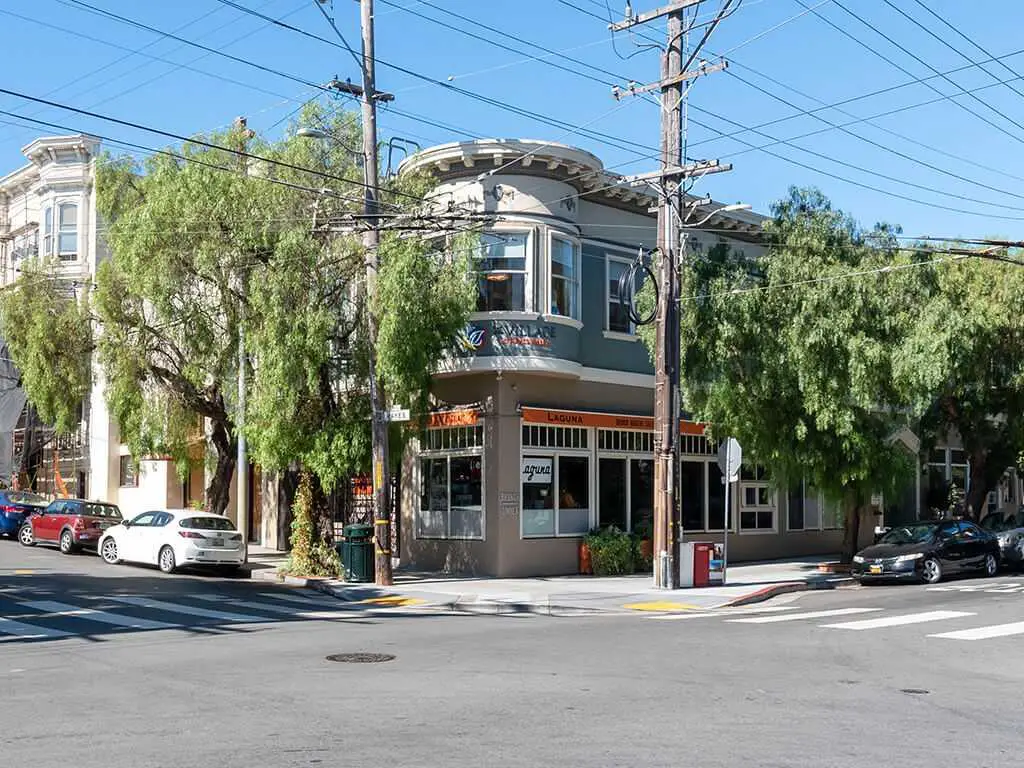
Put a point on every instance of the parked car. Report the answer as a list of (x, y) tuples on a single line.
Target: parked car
[(1009, 530), (927, 551), (71, 524), (173, 538), (15, 506)]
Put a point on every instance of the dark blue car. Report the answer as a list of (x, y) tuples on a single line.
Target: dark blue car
[(15, 507)]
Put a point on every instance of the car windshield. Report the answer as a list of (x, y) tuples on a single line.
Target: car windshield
[(208, 523), (28, 499), (995, 523), (908, 534), (101, 510)]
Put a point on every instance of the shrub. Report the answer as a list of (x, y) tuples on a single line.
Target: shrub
[(611, 551), (309, 557)]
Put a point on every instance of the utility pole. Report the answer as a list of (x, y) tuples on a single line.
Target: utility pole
[(670, 182), (371, 240), (242, 460)]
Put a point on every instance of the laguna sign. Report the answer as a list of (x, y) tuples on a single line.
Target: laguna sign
[(535, 471)]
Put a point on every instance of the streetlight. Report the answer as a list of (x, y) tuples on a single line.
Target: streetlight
[(723, 209)]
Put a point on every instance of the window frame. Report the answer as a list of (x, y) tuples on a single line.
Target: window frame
[(626, 263), (60, 230), (731, 521), (588, 452), (756, 478), (47, 250), (577, 268), (448, 454), (127, 473), (527, 271), (627, 455)]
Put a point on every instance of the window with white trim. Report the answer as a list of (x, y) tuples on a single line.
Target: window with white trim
[(48, 232), (451, 484), (617, 314), (804, 508), (757, 506), (564, 274), (67, 231), (625, 480), (555, 482), (503, 272)]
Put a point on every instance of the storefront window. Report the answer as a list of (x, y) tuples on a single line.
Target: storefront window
[(451, 484), (556, 495), (716, 498), (612, 493), (502, 272), (641, 496)]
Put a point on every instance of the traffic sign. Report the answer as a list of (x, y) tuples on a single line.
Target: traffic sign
[(730, 458), (397, 414)]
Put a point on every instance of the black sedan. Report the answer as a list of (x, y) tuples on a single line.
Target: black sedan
[(927, 551)]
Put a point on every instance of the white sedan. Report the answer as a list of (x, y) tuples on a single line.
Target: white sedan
[(171, 538)]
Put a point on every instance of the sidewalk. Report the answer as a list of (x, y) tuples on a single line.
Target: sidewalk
[(567, 595)]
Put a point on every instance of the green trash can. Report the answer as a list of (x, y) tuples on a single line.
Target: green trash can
[(356, 551)]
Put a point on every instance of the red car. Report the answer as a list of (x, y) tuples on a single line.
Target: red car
[(71, 524)]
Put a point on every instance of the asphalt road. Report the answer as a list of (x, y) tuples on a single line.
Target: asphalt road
[(243, 680)]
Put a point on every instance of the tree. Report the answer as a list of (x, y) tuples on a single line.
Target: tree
[(793, 353), (968, 342)]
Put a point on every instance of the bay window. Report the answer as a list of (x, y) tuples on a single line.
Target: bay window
[(502, 272), (564, 275), (67, 232)]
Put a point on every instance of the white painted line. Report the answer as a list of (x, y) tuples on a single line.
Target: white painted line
[(103, 617), (800, 616), (279, 609), (985, 633), (29, 631), (203, 613), (896, 621), (302, 599), (1004, 590), (721, 613)]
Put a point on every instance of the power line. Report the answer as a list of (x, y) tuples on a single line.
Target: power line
[(187, 140), (917, 58)]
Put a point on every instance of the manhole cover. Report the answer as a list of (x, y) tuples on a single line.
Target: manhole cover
[(915, 691), (360, 658)]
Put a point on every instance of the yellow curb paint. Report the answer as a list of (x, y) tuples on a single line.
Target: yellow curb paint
[(23, 572), (661, 606), (396, 600)]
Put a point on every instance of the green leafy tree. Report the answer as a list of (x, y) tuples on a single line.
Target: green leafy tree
[(967, 356), (793, 353), (47, 324)]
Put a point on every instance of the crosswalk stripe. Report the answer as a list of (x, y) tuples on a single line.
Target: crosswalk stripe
[(302, 599), (895, 621), (984, 633), (29, 631), (284, 609), (91, 614), (799, 616), (721, 612), (203, 613)]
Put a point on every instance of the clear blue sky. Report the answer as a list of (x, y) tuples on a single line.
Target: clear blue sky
[(188, 90)]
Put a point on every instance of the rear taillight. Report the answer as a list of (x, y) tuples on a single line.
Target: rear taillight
[(190, 535), (79, 524), (8, 508)]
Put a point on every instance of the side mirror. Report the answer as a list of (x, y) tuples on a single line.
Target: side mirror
[(126, 523)]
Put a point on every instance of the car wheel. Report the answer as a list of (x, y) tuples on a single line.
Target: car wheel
[(931, 571), (991, 565), (26, 537), (67, 543), (166, 560), (108, 551)]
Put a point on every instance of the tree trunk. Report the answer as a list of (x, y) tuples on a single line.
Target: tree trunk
[(977, 498), (851, 526), (217, 492), (323, 520)]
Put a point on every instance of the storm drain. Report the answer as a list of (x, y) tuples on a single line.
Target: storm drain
[(361, 658)]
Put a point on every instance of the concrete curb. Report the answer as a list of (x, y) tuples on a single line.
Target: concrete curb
[(774, 590)]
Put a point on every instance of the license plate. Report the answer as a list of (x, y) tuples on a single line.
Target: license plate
[(874, 569), (216, 542)]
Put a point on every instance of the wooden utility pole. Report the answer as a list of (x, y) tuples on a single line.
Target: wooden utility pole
[(371, 240), (670, 179)]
